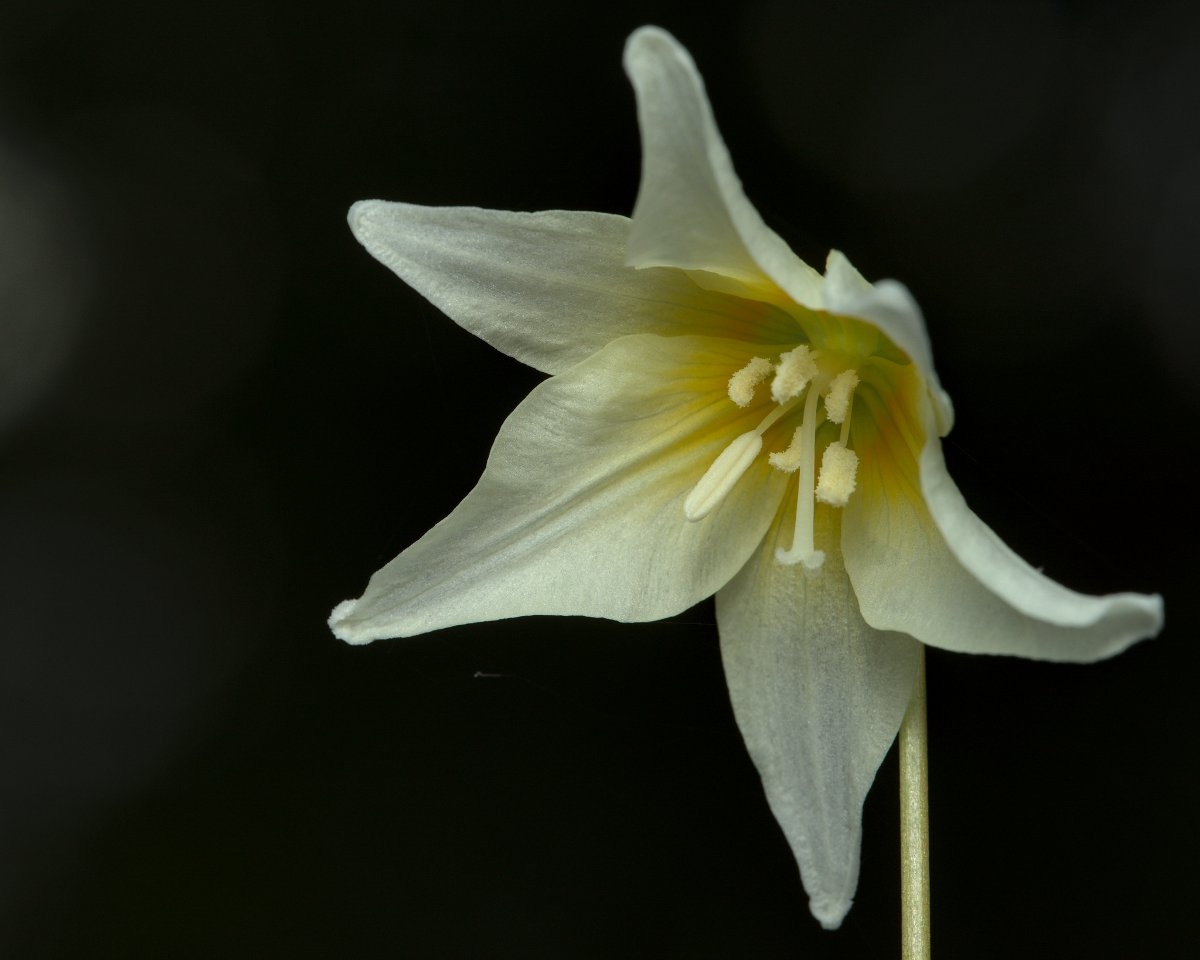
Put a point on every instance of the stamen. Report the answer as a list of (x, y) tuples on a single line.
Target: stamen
[(839, 468), (789, 460), (837, 399), (770, 419), (721, 476), (795, 370), (802, 549), (742, 383)]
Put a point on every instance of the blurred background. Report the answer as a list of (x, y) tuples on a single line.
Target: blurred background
[(218, 416)]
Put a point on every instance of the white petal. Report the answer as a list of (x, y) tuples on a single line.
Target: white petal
[(691, 211), (819, 696), (580, 509), (889, 306), (547, 288), (939, 573), (1106, 624), (843, 282)]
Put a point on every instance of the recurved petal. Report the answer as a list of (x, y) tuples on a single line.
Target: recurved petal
[(922, 562), (547, 288), (580, 508), (1093, 627), (691, 211), (818, 695)]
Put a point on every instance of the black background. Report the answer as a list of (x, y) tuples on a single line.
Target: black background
[(218, 416)]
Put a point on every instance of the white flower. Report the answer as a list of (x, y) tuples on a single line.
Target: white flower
[(720, 419)]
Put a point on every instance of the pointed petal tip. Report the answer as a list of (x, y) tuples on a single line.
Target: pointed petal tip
[(1145, 618), (829, 912), (344, 630), (359, 215), (1153, 603), (843, 282), (645, 39)]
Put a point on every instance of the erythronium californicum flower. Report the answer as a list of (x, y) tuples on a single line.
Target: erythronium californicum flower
[(720, 418)]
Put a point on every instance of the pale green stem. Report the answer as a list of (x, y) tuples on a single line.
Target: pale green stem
[(914, 825)]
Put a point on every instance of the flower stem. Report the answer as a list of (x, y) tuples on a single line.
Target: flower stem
[(914, 825)]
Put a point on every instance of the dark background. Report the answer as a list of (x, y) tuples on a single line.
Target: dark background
[(218, 416)]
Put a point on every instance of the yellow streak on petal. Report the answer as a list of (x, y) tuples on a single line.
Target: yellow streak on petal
[(888, 436)]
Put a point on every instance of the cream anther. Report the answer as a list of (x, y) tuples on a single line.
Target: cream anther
[(841, 391), (789, 460), (839, 468), (742, 383), (793, 373), (721, 476)]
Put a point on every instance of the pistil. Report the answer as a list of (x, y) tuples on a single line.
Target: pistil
[(802, 549), (728, 468), (720, 478)]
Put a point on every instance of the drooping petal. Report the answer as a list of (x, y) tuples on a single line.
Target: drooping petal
[(691, 211), (893, 310), (546, 288), (580, 509), (818, 695), (922, 562)]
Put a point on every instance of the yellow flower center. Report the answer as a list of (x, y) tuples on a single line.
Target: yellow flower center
[(816, 385)]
